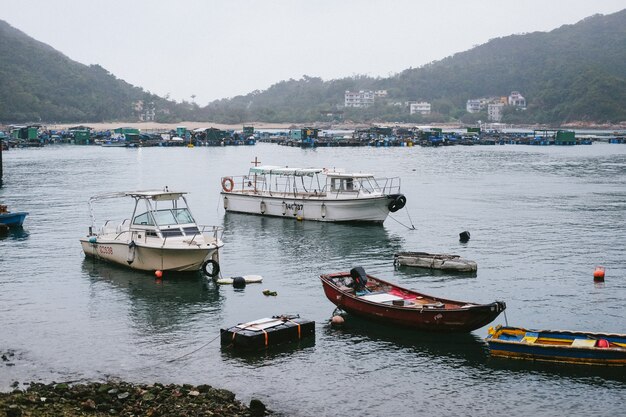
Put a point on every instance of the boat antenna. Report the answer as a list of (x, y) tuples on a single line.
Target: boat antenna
[(256, 163)]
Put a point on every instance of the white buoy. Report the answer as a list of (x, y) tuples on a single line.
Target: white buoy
[(249, 279)]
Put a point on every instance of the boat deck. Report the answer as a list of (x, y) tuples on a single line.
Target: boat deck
[(554, 338), (380, 293)]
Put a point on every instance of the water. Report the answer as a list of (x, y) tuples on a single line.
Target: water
[(540, 219)]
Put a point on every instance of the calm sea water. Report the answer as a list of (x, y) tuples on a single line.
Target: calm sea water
[(541, 219)]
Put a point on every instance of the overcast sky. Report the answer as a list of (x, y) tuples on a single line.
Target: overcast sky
[(216, 49)]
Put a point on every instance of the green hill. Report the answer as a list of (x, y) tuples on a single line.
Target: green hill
[(38, 83), (574, 73)]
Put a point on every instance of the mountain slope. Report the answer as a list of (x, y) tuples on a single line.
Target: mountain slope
[(576, 72), (38, 83)]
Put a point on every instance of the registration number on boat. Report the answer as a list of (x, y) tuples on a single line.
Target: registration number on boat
[(294, 206), (105, 250)]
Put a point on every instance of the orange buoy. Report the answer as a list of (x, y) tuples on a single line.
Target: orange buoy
[(603, 343), (337, 320), (598, 274), (158, 273)]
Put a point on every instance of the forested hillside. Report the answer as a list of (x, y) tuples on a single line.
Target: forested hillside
[(574, 73), (38, 83)]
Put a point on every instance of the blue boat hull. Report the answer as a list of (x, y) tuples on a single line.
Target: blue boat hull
[(13, 219), (558, 346)]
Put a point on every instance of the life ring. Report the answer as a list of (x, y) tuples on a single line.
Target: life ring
[(213, 270), (398, 202), (227, 184)]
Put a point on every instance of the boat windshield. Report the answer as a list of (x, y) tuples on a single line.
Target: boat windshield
[(166, 217), (362, 184)]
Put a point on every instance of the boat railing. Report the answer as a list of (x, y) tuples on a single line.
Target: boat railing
[(389, 185), (245, 183), (212, 232)]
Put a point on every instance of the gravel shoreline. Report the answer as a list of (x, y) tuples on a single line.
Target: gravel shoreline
[(125, 399)]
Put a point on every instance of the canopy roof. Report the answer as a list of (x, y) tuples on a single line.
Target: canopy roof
[(276, 170), (304, 172), (156, 195)]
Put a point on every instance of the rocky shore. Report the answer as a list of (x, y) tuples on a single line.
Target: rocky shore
[(125, 399)]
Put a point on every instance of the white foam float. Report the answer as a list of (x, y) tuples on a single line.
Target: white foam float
[(249, 279)]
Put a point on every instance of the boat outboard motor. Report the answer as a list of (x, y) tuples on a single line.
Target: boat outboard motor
[(359, 278)]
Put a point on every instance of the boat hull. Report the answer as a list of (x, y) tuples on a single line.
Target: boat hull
[(367, 209), (558, 346), (463, 319), (13, 219), (148, 258)]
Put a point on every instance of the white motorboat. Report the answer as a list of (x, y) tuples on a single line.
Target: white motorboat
[(442, 261), (312, 194), (160, 235)]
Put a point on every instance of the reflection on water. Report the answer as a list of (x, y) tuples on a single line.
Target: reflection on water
[(409, 271), (587, 374), (160, 304), (14, 233), (467, 349), (265, 357), (310, 242)]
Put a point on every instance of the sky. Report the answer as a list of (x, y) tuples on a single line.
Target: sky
[(203, 50)]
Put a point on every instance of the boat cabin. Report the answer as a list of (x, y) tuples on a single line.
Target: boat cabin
[(158, 213), (309, 180), (166, 214), (339, 182)]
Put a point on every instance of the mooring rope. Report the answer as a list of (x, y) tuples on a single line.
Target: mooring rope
[(193, 351), (412, 227)]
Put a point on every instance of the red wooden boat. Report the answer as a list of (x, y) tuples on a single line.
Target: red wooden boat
[(372, 298)]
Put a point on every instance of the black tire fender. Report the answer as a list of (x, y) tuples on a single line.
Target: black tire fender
[(398, 202), (211, 268)]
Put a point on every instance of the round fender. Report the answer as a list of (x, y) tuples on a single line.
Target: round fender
[(227, 184), (211, 268), (398, 202)]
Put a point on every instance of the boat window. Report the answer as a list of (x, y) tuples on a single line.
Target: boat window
[(144, 219), (165, 217), (171, 232), (368, 185), (191, 230), (342, 184), (183, 216)]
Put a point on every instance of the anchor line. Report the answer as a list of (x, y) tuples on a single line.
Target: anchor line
[(412, 227), (193, 351)]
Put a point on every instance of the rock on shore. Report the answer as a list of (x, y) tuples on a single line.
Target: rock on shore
[(125, 399)]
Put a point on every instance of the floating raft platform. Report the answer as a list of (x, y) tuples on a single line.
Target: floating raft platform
[(442, 261), (263, 333)]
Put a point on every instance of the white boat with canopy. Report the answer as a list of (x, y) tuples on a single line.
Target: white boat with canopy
[(161, 234), (312, 194)]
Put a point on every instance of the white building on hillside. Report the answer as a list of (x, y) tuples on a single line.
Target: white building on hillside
[(517, 100), (421, 107), (363, 98), (473, 106), (494, 111)]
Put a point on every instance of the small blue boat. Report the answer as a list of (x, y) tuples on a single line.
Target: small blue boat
[(11, 219), (558, 346)]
